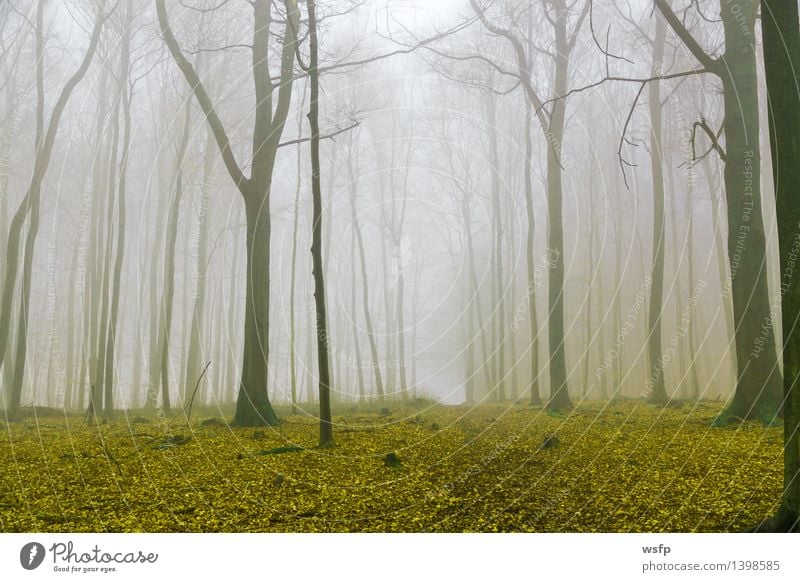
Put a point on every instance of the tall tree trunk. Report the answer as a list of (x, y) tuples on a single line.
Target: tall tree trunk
[(722, 264), (165, 331), (475, 290), (116, 288), (655, 387), (559, 393), (293, 276), (230, 367), (325, 421), (373, 344), (354, 324), (530, 256), (758, 387), (156, 301), (781, 33), (590, 282), (195, 356), (98, 379), (677, 288), (693, 363), (71, 333), (498, 283), (253, 407), (29, 207)]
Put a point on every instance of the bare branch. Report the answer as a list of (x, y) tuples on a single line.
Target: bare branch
[(327, 136), (189, 73), (708, 62), (643, 81), (714, 137)]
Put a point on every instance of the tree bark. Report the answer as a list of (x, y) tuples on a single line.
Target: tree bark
[(29, 207), (656, 389), (325, 421), (253, 407), (530, 256), (373, 344), (781, 33), (758, 389)]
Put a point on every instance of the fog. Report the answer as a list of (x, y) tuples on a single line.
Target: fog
[(124, 266)]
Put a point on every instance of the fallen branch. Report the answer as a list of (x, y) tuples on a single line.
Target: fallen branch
[(196, 386)]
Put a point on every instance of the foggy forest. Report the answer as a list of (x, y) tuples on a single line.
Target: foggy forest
[(384, 265)]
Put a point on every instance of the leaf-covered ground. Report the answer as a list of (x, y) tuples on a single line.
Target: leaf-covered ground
[(622, 467)]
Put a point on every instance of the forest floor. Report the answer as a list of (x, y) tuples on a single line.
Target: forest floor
[(409, 467)]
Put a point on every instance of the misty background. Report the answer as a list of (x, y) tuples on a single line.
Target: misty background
[(429, 158)]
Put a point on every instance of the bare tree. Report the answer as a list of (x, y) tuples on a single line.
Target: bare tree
[(325, 422), (552, 122), (758, 384), (29, 209), (253, 406)]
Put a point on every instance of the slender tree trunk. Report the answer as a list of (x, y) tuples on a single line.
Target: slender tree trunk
[(475, 290), (354, 315), (325, 421), (722, 265), (195, 357), (590, 283), (164, 339), (682, 385), (512, 285), (230, 346), (373, 344), (29, 207), (98, 379), (125, 96), (156, 301), (559, 392), (71, 333), (530, 255), (116, 288), (498, 283), (655, 387), (693, 364), (293, 282)]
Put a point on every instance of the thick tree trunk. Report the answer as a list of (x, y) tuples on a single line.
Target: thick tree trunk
[(758, 387), (253, 407), (781, 27)]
